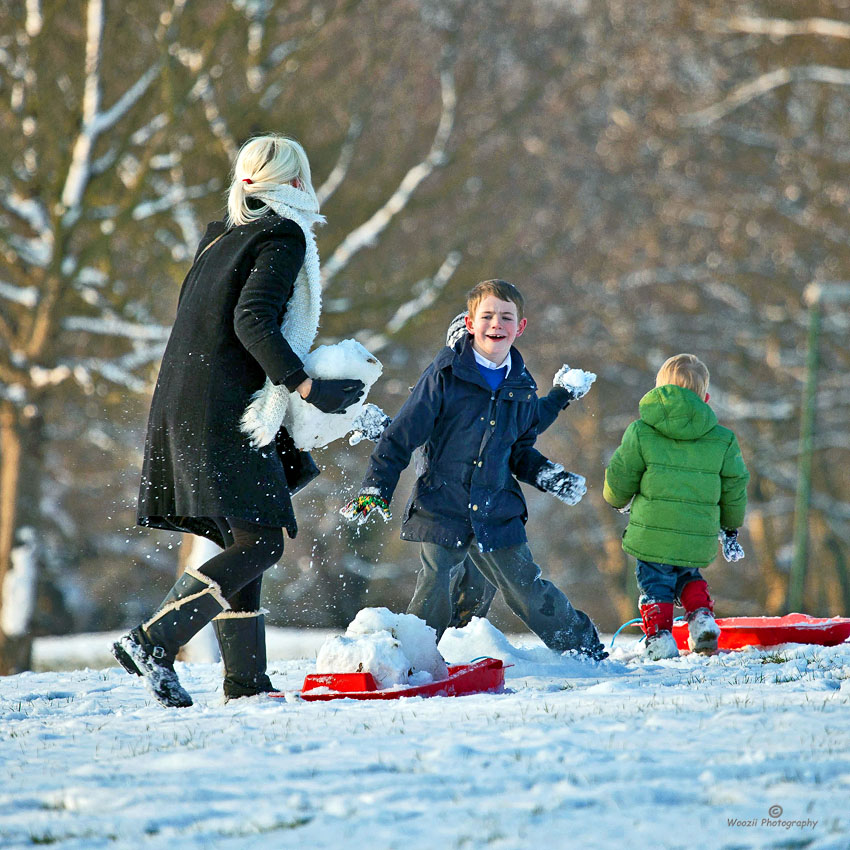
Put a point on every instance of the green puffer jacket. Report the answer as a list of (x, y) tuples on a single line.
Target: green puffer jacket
[(687, 477)]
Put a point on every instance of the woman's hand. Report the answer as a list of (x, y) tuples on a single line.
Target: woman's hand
[(333, 395), (303, 389)]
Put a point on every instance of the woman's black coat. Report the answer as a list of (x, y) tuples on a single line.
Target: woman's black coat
[(226, 339)]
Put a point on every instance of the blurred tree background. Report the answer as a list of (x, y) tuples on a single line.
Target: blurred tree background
[(656, 177)]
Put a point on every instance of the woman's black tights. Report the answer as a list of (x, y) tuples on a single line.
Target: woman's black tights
[(250, 550)]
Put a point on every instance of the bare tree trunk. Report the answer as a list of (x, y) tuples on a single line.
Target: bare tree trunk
[(775, 584), (20, 479)]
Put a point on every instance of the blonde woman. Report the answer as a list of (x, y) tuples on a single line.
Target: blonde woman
[(247, 315)]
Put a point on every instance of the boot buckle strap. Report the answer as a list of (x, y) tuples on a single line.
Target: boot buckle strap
[(158, 652)]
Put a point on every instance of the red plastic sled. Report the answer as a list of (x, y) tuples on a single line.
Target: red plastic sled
[(736, 632), (482, 676)]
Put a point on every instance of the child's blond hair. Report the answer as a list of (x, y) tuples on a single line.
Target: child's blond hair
[(501, 289), (684, 370)]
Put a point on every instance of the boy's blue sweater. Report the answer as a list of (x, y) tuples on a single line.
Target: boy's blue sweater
[(477, 441), (493, 377)]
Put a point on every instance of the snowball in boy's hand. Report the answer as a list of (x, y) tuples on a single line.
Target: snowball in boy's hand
[(575, 381), (369, 424), (566, 486)]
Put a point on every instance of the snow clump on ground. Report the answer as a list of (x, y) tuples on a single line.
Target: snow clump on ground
[(397, 649)]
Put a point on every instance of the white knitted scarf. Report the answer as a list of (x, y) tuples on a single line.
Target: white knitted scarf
[(263, 416)]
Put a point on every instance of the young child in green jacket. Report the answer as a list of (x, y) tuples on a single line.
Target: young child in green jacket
[(682, 479)]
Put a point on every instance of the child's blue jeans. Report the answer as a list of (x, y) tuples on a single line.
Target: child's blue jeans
[(662, 582)]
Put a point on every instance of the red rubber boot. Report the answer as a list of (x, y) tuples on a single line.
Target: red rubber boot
[(703, 631), (658, 626)]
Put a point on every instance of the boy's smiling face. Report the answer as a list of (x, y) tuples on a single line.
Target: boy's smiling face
[(494, 328)]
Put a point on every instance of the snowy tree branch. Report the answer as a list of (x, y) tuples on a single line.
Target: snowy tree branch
[(115, 327), (340, 170), (368, 232), (763, 84), (206, 93), (780, 28), (27, 296), (428, 290), (95, 122)]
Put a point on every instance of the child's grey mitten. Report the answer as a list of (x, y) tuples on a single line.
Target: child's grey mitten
[(732, 549), (369, 424), (576, 382), (457, 329), (566, 486)]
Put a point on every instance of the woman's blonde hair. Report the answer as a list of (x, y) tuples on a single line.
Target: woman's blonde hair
[(266, 161), (684, 370)]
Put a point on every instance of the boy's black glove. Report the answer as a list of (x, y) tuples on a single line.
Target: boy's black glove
[(566, 486), (732, 549), (334, 395)]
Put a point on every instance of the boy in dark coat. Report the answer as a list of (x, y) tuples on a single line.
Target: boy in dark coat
[(474, 411), (471, 593), (686, 482)]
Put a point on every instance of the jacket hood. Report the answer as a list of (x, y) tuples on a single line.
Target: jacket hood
[(677, 413), (462, 362)]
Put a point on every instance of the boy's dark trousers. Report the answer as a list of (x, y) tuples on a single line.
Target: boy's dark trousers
[(537, 602)]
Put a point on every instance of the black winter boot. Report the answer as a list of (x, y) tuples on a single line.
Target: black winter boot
[(149, 650), (242, 640)]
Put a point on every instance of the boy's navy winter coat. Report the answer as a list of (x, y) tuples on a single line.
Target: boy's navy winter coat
[(477, 442)]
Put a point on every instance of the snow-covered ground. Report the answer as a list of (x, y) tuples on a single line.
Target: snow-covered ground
[(741, 750)]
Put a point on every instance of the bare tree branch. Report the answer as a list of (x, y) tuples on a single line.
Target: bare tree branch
[(764, 83), (367, 233)]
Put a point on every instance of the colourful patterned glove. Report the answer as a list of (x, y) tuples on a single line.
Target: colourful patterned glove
[(732, 550), (366, 501)]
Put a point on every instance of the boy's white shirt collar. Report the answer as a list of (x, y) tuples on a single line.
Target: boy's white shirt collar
[(489, 364)]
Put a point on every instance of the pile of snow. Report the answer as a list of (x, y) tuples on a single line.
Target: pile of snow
[(528, 656), (309, 427), (397, 649)]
